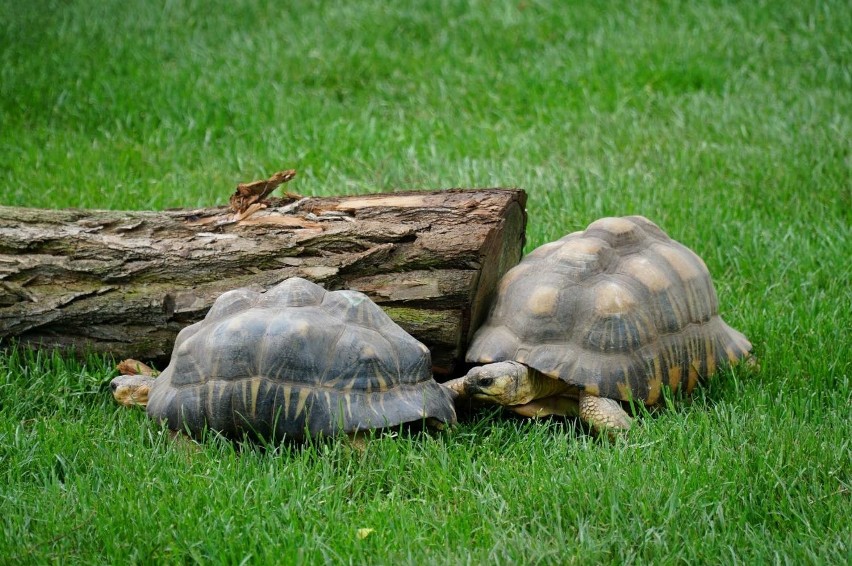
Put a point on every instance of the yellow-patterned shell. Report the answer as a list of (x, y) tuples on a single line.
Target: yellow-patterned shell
[(297, 360), (618, 310)]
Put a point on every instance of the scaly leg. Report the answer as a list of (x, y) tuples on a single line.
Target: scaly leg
[(604, 415)]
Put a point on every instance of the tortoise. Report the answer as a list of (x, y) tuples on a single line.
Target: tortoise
[(294, 362), (585, 324)]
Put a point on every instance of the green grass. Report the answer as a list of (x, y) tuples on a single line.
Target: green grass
[(728, 123)]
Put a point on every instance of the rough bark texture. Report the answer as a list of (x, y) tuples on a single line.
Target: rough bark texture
[(125, 283)]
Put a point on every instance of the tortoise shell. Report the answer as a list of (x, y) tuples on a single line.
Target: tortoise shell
[(296, 360), (617, 310)]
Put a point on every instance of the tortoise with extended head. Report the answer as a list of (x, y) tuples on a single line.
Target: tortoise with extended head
[(585, 324), (294, 361)]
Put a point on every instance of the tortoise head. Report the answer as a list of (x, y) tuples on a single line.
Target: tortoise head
[(131, 390), (501, 383)]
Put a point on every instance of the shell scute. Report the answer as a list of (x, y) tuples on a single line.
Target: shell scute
[(231, 302), (293, 292), (617, 232)]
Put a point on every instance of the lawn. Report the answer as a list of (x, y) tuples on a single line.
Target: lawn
[(727, 123)]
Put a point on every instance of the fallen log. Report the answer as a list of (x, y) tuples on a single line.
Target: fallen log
[(125, 282)]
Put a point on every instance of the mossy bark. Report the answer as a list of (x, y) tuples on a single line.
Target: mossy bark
[(125, 282)]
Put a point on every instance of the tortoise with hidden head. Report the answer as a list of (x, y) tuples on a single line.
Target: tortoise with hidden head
[(584, 324), (295, 360)]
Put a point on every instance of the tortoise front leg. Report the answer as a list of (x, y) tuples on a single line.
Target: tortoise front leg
[(603, 415)]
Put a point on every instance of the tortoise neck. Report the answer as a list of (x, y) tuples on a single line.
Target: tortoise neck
[(544, 385)]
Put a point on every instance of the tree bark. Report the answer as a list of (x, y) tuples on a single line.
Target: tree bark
[(125, 282)]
